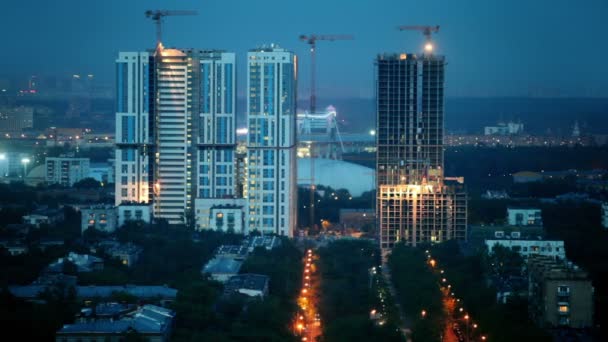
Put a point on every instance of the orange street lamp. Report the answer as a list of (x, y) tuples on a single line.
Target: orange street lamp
[(423, 313)]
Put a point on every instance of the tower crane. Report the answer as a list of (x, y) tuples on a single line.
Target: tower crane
[(312, 41), (426, 31), (158, 15)]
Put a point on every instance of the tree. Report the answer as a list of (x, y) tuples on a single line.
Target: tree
[(69, 267), (87, 183)]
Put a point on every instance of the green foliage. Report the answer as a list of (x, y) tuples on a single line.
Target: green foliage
[(417, 290), (69, 267), (493, 166), (201, 311), (466, 274), (283, 265), (327, 207), (87, 183), (33, 321), (346, 296), (25, 268)]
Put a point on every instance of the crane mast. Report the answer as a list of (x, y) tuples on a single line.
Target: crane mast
[(312, 41)]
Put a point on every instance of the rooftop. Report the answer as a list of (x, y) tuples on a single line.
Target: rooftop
[(147, 319), (268, 242), (219, 265), (247, 281), (238, 251), (32, 291), (548, 268)]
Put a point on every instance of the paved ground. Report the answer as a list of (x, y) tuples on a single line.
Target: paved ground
[(405, 323), (448, 307)]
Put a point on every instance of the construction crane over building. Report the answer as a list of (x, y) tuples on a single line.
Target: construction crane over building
[(158, 15), (312, 41), (427, 31)]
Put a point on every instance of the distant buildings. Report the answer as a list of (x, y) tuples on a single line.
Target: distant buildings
[(152, 323), (357, 218), (527, 177), (550, 248), (271, 142), (495, 194), (524, 217), (134, 212), (101, 217), (318, 135), (13, 164), (227, 215), (560, 294), (16, 119), (415, 204), (66, 170), (509, 128)]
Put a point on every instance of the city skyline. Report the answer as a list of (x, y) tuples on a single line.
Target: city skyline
[(483, 61)]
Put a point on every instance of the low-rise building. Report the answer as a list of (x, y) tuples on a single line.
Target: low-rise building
[(128, 254), (237, 252), (44, 216), (152, 323), (221, 214), (134, 212), (101, 217), (222, 268), (252, 285), (83, 262), (14, 247), (551, 248), (524, 217), (560, 294), (268, 241)]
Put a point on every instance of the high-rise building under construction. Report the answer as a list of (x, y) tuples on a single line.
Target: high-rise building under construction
[(416, 203)]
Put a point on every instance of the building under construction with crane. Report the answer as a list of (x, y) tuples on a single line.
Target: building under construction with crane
[(175, 128), (416, 202)]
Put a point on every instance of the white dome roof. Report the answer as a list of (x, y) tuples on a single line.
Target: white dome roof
[(337, 174)]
